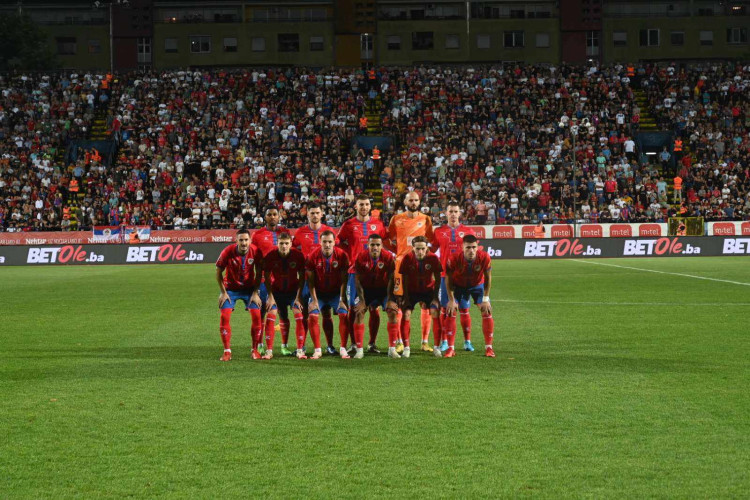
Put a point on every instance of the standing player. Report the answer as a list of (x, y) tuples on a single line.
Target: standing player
[(353, 239), (373, 279), (402, 229), (242, 265), (265, 239), (306, 239), (326, 278), (469, 276), (284, 274), (448, 241), (420, 273)]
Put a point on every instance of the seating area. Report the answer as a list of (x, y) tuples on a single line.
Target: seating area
[(213, 149)]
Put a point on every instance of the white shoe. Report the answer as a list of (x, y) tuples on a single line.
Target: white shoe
[(392, 353), (437, 352), (407, 352), (343, 354), (360, 354)]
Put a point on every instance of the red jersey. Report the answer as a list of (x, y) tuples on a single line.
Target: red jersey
[(449, 240), (354, 234), (285, 271), (307, 240), (242, 271), (467, 274), (327, 270), (375, 273), (420, 274), (265, 239)]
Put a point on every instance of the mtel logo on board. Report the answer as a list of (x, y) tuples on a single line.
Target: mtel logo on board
[(592, 231), (620, 231), (646, 230), (62, 255), (723, 229), (503, 232)]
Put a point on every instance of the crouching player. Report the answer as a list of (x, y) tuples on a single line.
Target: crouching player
[(284, 274), (241, 262), (373, 278), (468, 276), (327, 269), (420, 273)]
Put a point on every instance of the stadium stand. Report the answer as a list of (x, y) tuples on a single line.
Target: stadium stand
[(212, 149)]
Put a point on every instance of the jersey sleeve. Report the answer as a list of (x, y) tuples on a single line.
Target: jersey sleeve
[(428, 232), (221, 262), (309, 264), (296, 243)]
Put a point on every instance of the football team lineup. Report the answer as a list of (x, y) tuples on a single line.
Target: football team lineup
[(364, 269)]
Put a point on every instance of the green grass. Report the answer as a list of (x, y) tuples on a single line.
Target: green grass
[(609, 382)]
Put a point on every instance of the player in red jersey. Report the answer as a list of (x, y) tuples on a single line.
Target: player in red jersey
[(284, 273), (448, 240), (265, 240), (307, 239), (353, 239), (326, 278), (468, 276), (241, 262), (420, 275), (373, 278)]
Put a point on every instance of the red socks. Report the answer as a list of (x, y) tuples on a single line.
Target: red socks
[(392, 334), (450, 330), (436, 330), (374, 325), (270, 329), (425, 319), (284, 325), (465, 323), (299, 329), (359, 334), (225, 328), (256, 327), (312, 323), (399, 320), (488, 329), (405, 331), (343, 328)]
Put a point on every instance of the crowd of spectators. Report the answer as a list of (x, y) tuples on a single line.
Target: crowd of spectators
[(212, 149)]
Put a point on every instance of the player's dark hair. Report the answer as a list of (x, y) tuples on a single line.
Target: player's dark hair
[(314, 204), (243, 231), (361, 196), (453, 203), (470, 238), (421, 239), (374, 237), (285, 236), (271, 208), (327, 232)]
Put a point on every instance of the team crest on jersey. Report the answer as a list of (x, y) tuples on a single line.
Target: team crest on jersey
[(250, 261), (477, 268), (373, 227), (292, 265), (428, 266), (380, 265), (335, 264), (419, 224), (461, 234)]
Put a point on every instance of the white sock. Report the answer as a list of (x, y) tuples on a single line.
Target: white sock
[(489, 346), (227, 350), (318, 350)]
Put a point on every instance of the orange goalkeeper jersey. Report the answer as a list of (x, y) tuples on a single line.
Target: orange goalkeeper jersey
[(403, 229)]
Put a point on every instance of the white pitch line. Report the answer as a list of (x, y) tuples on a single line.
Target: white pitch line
[(658, 304), (660, 272)]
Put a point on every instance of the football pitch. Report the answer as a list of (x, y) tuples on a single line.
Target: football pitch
[(614, 378)]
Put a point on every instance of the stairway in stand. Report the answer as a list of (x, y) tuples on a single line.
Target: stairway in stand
[(99, 130), (374, 115), (647, 121)]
